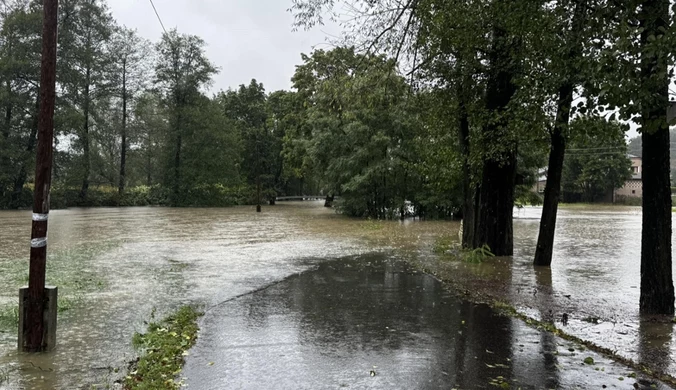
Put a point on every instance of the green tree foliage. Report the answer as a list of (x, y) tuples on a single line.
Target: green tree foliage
[(261, 162), (361, 130), (181, 71), (83, 78), (19, 53), (597, 161)]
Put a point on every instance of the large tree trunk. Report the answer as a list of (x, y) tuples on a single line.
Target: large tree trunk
[(499, 169), (657, 287), (497, 203), (545, 245), (123, 147), (85, 139), (468, 206)]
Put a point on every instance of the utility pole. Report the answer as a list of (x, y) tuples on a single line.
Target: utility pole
[(38, 307)]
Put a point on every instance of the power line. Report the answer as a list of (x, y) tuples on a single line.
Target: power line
[(158, 16), (601, 148)]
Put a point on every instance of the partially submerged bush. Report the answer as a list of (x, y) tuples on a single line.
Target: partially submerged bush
[(164, 348)]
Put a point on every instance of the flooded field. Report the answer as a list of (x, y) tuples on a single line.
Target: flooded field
[(114, 267)]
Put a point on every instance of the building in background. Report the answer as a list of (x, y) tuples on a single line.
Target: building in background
[(633, 188)]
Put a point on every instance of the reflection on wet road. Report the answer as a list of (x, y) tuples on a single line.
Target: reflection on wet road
[(370, 322)]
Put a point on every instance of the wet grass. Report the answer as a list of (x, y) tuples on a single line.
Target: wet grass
[(9, 317), (68, 270), (163, 349), (449, 248), (371, 225)]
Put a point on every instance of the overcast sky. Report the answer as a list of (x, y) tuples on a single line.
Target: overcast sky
[(246, 38)]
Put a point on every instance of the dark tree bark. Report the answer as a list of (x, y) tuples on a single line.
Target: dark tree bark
[(123, 147), (494, 226), (545, 245), (468, 206), (657, 287)]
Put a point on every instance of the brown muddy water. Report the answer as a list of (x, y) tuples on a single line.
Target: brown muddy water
[(115, 267)]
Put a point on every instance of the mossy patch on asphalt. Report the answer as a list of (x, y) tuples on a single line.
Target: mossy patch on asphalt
[(163, 349)]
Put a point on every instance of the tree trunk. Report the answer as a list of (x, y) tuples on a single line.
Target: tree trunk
[(177, 169), (85, 139), (123, 147), (176, 190), (657, 287), (4, 143), (497, 204), (22, 176), (499, 170), (468, 206), (545, 245), (149, 165)]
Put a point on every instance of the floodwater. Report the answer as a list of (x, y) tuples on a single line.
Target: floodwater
[(595, 278), (371, 322), (117, 267)]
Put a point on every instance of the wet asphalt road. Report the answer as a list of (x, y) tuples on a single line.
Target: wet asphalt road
[(372, 322)]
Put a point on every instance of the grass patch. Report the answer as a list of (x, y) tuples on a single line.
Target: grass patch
[(371, 225), (66, 269), (445, 244), (163, 350), (9, 317), (449, 246)]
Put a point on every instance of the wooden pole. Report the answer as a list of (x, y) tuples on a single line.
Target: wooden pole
[(34, 331)]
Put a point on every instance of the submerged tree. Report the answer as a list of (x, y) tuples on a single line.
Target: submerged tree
[(635, 83), (181, 71), (131, 66), (656, 55), (361, 130)]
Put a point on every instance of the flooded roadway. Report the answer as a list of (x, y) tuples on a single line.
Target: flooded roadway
[(116, 266), (372, 322)]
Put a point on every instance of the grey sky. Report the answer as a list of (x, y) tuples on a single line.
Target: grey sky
[(246, 38)]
